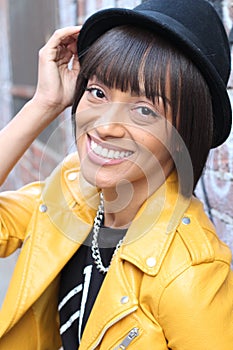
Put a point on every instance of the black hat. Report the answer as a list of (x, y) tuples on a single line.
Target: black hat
[(194, 27)]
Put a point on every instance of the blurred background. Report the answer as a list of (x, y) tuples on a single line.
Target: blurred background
[(25, 27)]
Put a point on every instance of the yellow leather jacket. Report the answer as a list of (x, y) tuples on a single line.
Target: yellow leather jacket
[(169, 286)]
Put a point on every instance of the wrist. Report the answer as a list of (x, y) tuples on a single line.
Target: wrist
[(45, 108)]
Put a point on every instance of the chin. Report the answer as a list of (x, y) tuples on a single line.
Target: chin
[(97, 181)]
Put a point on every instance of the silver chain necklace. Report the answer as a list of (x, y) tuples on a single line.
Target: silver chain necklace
[(94, 244)]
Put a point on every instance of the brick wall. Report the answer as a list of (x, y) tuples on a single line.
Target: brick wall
[(216, 185)]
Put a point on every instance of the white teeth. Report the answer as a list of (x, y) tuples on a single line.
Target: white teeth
[(104, 152), (93, 144), (117, 154), (108, 153), (111, 154)]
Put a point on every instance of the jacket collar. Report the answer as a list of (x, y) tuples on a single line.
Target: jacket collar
[(152, 231)]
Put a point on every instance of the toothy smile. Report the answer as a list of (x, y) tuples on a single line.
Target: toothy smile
[(109, 153)]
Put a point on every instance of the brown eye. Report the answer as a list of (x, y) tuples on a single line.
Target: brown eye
[(97, 93), (145, 111)]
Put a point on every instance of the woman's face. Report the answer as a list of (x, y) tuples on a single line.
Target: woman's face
[(123, 138)]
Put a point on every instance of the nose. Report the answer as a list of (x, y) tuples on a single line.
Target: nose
[(111, 121)]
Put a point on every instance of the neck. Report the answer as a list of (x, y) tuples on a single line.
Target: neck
[(121, 204)]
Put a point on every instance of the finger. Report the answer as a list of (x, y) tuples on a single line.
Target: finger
[(72, 47), (52, 50), (64, 52), (62, 36), (63, 56), (70, 39), (75, 63)]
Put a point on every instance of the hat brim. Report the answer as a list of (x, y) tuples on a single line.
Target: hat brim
[(167, 27)]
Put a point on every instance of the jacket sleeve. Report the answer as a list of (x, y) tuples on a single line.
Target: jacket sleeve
[(16, 208), (196, 309)]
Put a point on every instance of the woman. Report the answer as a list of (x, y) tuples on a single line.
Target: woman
[(116, 244)]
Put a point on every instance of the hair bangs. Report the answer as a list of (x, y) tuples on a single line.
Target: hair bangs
[(123, 61)]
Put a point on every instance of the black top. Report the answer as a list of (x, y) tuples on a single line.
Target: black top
[(80, 284)]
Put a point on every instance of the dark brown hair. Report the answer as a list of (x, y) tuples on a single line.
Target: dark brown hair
[(125, 57)]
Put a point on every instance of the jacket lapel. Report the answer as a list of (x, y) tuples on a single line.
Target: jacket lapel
[(153, 229), (117, 299)]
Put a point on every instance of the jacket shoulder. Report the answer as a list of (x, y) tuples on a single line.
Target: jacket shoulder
[(199, 236)]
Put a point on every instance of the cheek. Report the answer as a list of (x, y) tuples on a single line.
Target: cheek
[(82, 117), (86, 116), (82, 105), (81, 141), (154, 150), (81, 126)]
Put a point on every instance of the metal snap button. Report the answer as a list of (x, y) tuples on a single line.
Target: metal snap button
[(43, 208), (186, 220), (151, 262), (124, 299), (72, 176)]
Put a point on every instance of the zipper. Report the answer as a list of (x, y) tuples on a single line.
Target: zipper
[(128, 339), (111, 324)]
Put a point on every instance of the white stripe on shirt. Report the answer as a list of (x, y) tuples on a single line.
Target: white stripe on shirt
[(87, 272), (68, 296), (67, 325)]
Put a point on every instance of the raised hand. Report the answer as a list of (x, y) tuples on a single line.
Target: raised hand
[(58, 69)]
